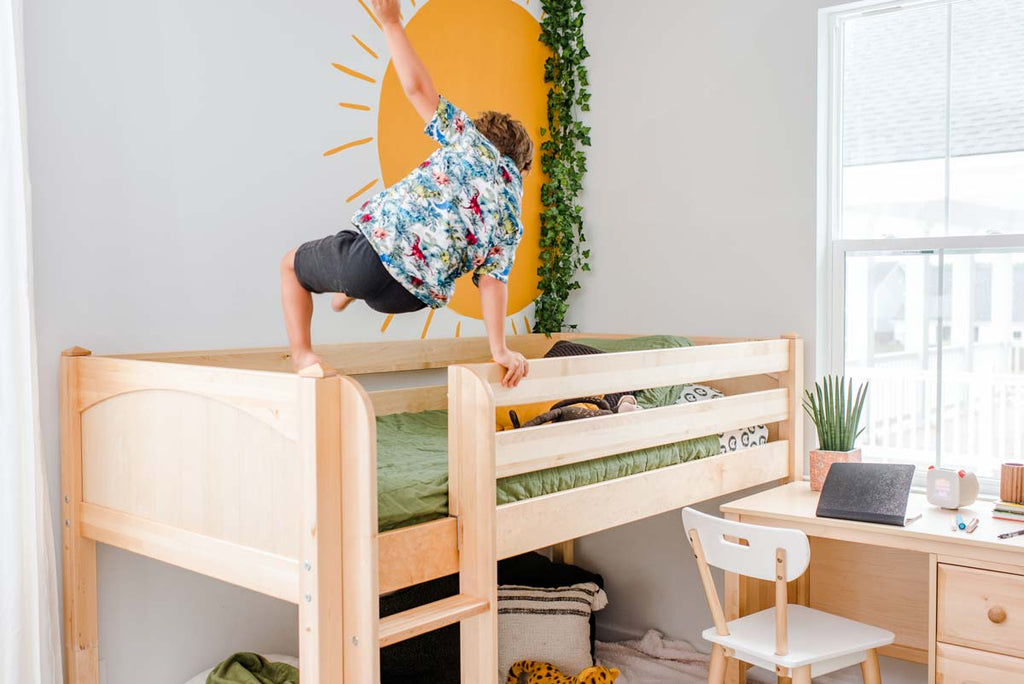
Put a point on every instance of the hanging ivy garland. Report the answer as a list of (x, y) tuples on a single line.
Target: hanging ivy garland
[(564, 162)]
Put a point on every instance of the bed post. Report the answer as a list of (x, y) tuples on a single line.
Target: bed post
[(320, 568), (472, 499), (564, 552), (793, 428), (81, 639), (359, 579)]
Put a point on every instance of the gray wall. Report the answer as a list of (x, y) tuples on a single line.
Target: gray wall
[(175, 155), (700, 211)]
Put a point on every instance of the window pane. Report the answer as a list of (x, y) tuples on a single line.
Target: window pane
[(892, 328), (983, 362), (987, 118), (893, 136)]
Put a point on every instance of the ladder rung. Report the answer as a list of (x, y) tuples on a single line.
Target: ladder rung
[(427, 618)]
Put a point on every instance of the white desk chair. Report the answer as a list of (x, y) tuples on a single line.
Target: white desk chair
[(792, 640)]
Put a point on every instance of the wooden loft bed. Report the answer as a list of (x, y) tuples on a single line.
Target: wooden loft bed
[(227, 464)]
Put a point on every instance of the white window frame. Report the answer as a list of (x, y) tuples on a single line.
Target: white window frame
[(831, 248)]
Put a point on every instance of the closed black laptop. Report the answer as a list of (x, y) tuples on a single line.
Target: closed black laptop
[(869, 492)]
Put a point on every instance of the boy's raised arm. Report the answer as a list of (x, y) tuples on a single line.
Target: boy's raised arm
[(493, 302), (416, 81)]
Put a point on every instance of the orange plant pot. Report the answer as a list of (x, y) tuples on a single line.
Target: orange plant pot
[(821, 461)]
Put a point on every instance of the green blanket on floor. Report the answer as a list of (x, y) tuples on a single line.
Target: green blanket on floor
[(250, 668)]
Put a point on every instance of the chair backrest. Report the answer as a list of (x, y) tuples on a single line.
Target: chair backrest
[(757, 556)]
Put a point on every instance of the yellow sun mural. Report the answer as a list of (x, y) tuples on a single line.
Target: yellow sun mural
[(482, 54)]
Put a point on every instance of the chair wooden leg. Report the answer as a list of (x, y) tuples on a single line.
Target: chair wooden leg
[(716, 672), (802, 675), (869, 668)]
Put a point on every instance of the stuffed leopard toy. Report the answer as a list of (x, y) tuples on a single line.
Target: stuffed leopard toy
[(532, 672)]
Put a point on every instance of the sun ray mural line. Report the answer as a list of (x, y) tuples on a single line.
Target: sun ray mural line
[(352, 72), (353, 105), (363, 189), (515, 331), (372, 15), (458, 329), (526, 324), (387, 322), (426, 326), (366, 47), (347, 145)]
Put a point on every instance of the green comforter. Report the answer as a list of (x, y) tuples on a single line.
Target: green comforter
[(412, 455)]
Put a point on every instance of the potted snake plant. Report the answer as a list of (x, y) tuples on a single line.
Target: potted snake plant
[(835, 407)]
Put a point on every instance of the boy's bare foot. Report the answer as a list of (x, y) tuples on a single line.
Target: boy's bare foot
[(340, 301), (304, 359)]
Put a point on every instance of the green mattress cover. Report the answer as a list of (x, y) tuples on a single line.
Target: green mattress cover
[(412, 455)]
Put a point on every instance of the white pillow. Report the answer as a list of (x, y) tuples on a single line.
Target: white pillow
[(547, 625), (273, 657)]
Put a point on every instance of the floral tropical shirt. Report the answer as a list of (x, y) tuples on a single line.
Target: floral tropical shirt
[(459, 211)]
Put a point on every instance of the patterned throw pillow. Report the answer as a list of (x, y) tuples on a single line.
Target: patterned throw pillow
[(548, 625)]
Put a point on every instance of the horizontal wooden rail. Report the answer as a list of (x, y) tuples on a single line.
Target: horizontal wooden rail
[(573, 513), (270, 397), (248, 567), (427, 618), (358, 358), (550, 446), (409, 399), (580, 376), (433, 544)]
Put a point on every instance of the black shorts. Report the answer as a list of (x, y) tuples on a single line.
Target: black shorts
[(347, 263)]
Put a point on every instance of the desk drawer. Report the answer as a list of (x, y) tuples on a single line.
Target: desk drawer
[(958, 665), (981, 609)]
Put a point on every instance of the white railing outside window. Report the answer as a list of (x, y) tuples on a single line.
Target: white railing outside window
[(921, 225)]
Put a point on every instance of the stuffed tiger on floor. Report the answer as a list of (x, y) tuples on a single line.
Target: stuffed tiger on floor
[(532, 672)]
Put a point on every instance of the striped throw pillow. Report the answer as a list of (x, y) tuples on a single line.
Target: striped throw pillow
[(547, 625)]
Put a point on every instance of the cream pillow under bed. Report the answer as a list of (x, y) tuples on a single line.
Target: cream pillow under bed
[(273, 657), (547, 625)]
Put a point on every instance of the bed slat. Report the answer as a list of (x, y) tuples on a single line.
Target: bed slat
[(409, 400), (573, 513), (580, 376), (245, 566), (412, 555), (550, 446)]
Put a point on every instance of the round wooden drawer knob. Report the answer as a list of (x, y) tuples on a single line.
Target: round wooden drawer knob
[(996, 614)]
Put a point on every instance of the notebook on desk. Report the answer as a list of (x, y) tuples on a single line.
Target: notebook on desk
[(868, 492)]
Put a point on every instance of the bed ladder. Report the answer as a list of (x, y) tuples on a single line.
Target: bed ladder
[(340, 629), (429, 617), (471, 500)]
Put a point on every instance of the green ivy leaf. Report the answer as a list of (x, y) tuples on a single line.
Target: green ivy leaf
[(563, 161)]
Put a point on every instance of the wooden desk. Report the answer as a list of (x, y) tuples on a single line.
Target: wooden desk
[(954, 600)]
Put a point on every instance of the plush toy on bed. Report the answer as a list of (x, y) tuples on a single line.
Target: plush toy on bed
[(574, 409), (528, 415), (532, 672)]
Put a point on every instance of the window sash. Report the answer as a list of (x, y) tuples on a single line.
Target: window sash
[(833, 248)]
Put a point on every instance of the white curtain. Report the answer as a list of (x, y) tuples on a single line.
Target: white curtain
[(29, 624)]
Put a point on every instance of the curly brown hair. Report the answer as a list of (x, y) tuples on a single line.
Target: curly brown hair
[(509, 136)]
